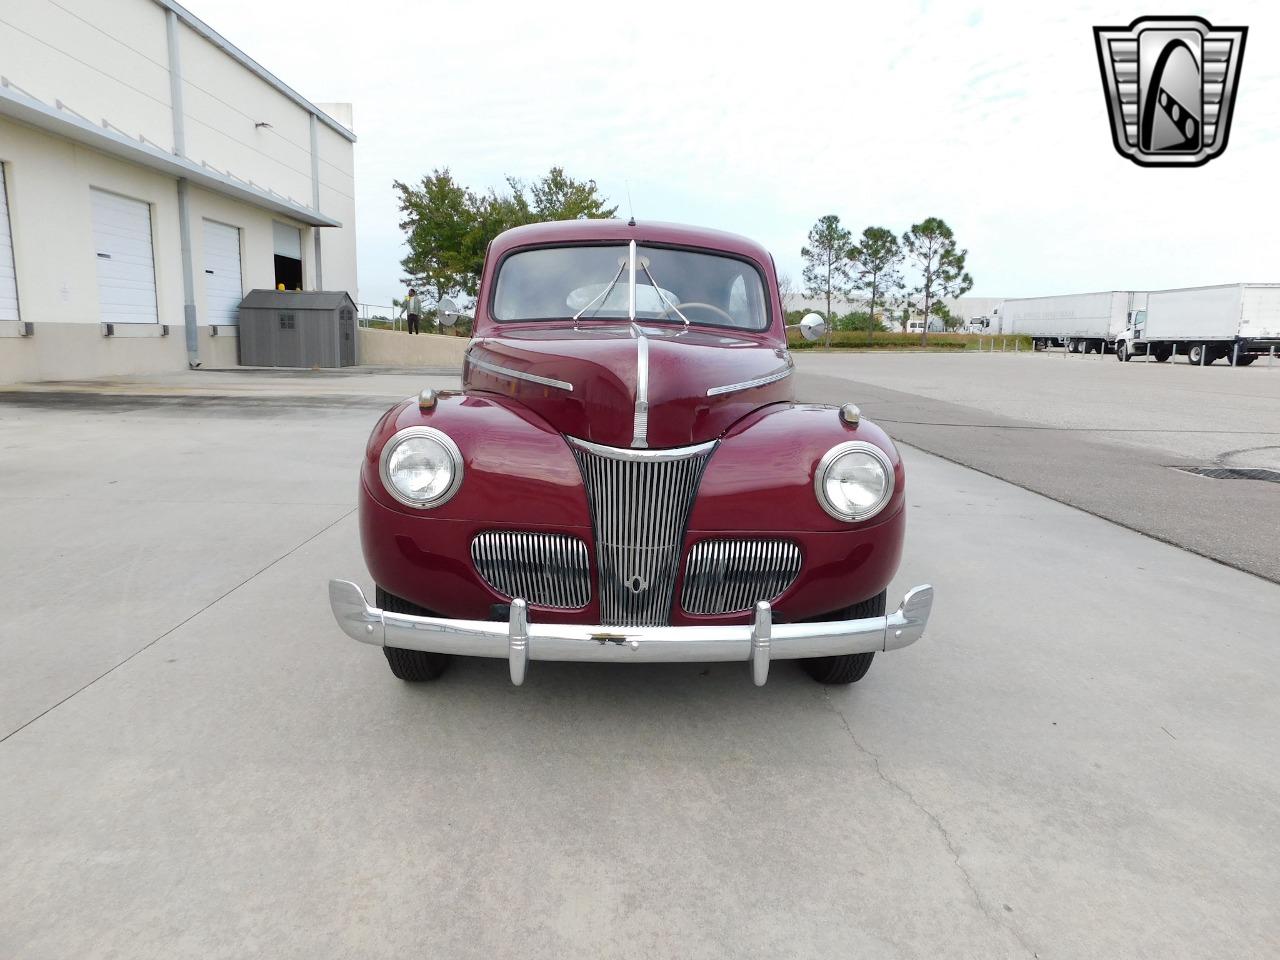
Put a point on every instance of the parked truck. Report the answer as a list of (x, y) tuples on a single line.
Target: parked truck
[(1236, 322), (1081, 322)]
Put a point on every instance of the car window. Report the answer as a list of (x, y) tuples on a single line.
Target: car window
[(553, 283)]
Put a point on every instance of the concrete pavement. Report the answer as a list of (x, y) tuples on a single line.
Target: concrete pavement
[(1043, 775), (1099, 435), (1182, 411)]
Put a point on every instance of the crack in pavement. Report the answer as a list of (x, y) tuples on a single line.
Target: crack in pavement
[(987, 912)]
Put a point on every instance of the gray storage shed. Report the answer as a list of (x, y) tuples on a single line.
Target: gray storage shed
[(281, 328)]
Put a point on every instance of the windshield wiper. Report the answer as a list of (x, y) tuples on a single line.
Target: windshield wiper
[(603, 294), (644, 265)]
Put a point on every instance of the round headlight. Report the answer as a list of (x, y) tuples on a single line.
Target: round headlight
[(421, 467), (854, 481)]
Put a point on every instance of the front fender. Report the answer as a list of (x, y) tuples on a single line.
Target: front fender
[(516, 468), (761, 475), (517, 473), (759, 484)]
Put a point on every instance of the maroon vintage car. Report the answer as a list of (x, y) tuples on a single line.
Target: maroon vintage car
[(626, 476)]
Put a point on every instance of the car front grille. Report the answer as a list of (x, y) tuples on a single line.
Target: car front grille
[(728, 576), (640, 502), (544, 569)]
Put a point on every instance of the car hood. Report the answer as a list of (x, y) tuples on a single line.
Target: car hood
[(592, 382)]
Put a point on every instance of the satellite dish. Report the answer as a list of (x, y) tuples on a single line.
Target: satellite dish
[(447, 312)]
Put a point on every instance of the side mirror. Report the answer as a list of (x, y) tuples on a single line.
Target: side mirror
[(447, 312), (812, 326)]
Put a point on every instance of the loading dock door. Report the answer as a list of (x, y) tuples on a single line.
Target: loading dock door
[(126, 267), (288, 248), (8, 277), (222, 285)]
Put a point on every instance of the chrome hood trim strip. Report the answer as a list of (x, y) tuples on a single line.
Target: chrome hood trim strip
[(640, 425), (518, 374), (780, 374)]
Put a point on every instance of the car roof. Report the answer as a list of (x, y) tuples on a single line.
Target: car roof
[(643, 231)]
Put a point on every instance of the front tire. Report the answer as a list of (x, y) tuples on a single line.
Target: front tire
[(1122, 352), (848, 667), (412, 666)]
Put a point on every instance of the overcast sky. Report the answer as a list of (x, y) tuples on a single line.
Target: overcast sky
[(988, 115)]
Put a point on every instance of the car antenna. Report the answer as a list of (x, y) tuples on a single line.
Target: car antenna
[(631, 209)]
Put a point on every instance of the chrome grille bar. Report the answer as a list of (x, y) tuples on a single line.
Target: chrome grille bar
[(544, 569), (640, 502), (732, 576)]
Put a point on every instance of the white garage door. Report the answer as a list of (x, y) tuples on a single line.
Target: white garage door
[(8, 278), (126, 267), (222, 284)]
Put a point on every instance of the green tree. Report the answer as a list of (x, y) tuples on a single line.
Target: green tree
[(858, 320), (559, 197), (949, 320), (931, 247), (826, 265), (449, 227), (438, 217), (876, 259)]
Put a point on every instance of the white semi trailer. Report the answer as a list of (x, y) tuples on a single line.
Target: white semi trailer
[(1236, 322), (1082, 322)]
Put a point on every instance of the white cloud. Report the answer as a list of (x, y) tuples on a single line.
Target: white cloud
[(988, 115)]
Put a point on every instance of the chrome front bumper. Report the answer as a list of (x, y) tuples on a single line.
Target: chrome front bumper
[(518, 641)]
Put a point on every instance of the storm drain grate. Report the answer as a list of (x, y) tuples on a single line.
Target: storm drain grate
[(1234, 473)]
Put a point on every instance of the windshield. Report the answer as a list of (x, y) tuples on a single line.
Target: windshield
[(592, 283)]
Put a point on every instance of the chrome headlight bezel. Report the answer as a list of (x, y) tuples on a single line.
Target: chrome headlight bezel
[(829, 459), (429, 433)]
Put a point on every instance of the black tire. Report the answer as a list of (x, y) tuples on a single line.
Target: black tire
[(1194, 352), (414, 666), (1163, 355), (848, 667), (1246, 359), (1037, 344), (1122, 352)]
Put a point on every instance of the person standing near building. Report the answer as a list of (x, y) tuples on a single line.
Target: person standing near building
[(411, 309)]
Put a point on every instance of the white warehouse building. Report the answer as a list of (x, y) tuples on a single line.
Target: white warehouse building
[(151, 174)]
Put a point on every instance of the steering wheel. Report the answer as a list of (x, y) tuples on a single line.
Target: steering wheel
[(708, 306)]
